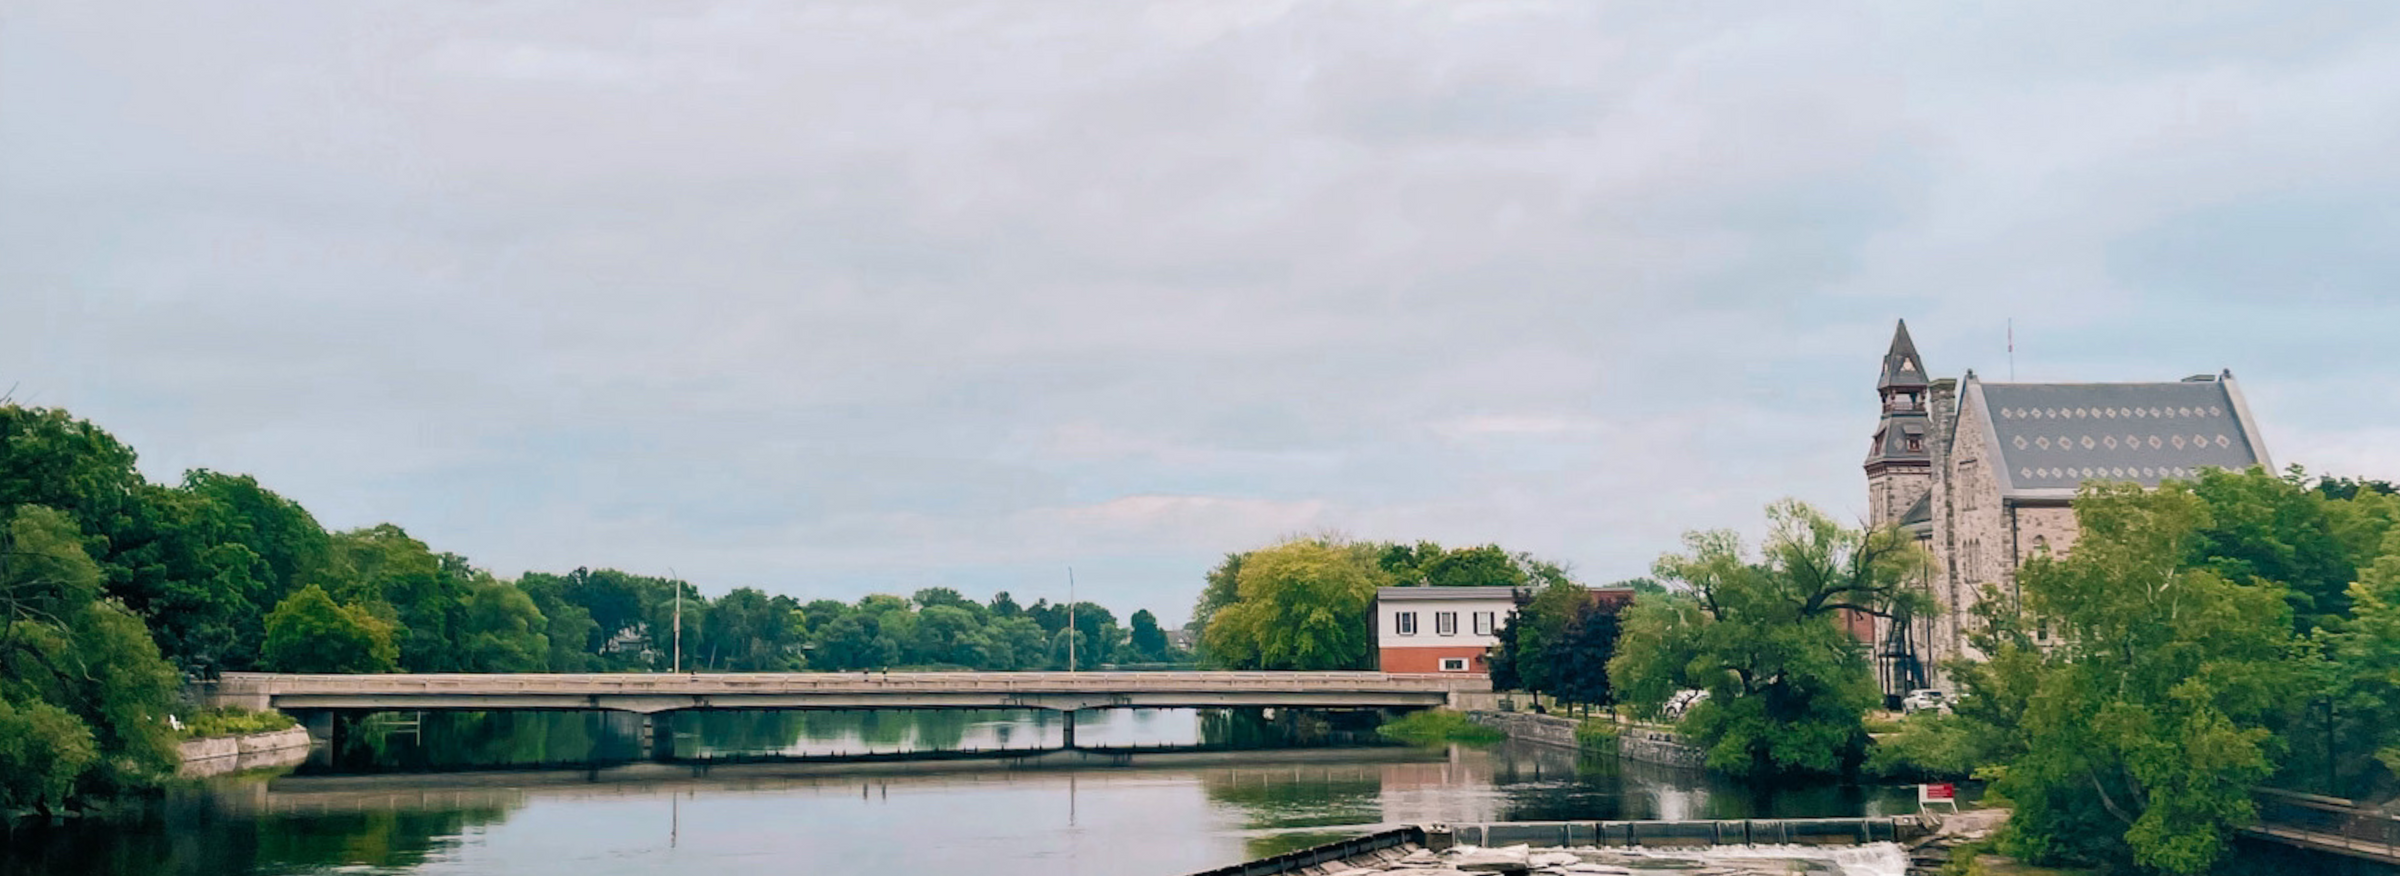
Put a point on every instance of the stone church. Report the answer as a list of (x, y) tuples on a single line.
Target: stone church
[(1982, 474)]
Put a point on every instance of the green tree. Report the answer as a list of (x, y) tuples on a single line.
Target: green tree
[(1787, 685), (503, 631), (1302, 605), (309, 632), (567, 627), (2261, 528), (1221, 588), (84, 691), (1149, 643), (2145, 728), (1527, 657), (422, 594), (1004, 605)]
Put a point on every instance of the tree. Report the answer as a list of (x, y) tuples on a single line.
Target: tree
[(2261, 528), (1221, 588), (1787, 685), (1149, 643), (1528, 654), (309, 632), (503, 631), (1428, 564), (84, 691), (1579, 662), (1301, 605), (422, 594), (2145, 730)]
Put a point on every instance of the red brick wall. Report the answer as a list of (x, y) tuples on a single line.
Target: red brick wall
[(1430, 659)]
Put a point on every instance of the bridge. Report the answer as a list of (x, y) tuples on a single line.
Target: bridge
[(2327, 824), (317, 697)]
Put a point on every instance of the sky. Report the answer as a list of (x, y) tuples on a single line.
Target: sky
[(830, 298)]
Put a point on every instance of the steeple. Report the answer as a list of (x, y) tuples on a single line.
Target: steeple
[(1900, 459), (1902, 367)]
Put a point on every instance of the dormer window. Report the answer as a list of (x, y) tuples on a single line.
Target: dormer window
[(1916, 443)]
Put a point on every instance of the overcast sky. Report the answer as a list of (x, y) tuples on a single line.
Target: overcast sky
[(835, 298)]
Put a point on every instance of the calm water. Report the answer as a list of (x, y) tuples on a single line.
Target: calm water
[(431, 797)]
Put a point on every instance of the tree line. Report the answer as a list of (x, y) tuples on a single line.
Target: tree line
[(113, 589), (1303, 603), (2198, 640)]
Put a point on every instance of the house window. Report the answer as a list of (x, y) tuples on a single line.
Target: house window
[(1445, 623), (1454, 664), (1483, 622), (1405, 623)]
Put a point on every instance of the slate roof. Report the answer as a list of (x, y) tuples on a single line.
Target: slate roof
[(2052, 437), (1920, 512), (1901, 364)]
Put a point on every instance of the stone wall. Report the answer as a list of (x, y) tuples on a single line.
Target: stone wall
[(216, 755), (1645, 744), (1530, 727), (1659, 747)]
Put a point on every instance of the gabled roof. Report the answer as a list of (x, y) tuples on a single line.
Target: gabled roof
[(2049, 438), (1902, 366)]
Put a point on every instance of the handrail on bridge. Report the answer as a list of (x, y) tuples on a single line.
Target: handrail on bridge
[(2327, 823)]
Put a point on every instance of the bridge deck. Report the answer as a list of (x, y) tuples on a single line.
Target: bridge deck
[(656, 692)]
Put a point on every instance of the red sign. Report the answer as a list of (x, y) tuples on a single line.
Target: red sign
[(1943, 791)]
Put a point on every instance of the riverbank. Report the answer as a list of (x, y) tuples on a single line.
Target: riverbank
[(220, 755)]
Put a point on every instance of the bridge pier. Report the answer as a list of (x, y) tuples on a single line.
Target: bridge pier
[(658, 736), (1070, 728)]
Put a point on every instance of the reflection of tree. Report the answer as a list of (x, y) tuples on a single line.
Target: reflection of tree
[(453, 740), (1272, 798), (1286, 728), (190, 836), (942, 729)]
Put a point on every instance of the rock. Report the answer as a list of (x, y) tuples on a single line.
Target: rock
[(1552, 859)]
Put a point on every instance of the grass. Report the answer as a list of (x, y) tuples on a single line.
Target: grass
[(233, 721), (1436, 726)]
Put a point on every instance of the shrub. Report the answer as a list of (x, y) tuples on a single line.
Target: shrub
[(234, 721)]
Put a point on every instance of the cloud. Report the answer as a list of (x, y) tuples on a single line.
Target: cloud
[(836, 296)]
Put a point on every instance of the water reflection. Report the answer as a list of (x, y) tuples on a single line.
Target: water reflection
[(1058, 813)]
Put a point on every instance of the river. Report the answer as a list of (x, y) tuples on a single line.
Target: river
[(560, 794)]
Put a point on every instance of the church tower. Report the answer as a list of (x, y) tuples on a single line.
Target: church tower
[(1900, 462)]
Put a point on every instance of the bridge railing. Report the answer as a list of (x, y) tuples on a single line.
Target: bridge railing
[(802, 682), (2328, 822)]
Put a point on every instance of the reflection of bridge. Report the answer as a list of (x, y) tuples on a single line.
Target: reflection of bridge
[(653, 693), (508, 789)]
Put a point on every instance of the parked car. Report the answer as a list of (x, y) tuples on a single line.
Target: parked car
[(1682, 702), (1925, 699)]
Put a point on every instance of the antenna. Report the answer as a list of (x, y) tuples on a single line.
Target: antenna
[(2012, 349)]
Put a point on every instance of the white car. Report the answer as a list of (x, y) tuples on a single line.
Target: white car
[(1925, 699), (1682, 702)]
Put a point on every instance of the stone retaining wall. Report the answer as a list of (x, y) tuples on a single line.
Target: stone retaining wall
[(215, 755), (1530, 727), (1659, 747), (1635, 742)]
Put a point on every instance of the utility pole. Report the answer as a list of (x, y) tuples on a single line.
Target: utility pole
[(1071, 634)]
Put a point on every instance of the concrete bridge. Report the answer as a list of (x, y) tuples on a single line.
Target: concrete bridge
[(317, 697), (650, 693)]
